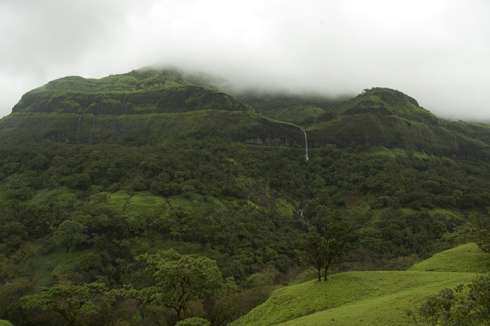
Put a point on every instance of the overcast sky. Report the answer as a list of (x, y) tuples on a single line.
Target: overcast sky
[(436, 51)]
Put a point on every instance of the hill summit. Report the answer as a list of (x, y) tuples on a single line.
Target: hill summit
[(137, 92), (161, 105), (385, 101), (142, 106), (392, 119)]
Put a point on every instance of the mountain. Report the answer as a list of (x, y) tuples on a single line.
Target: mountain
[(95, 173), (389, 118), (154, 106), (142, 106)]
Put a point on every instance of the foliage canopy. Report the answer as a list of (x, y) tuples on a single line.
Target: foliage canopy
[(331, 247)]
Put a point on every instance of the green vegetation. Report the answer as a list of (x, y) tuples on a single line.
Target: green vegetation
[(154, 106), (232, 203), (5, 323), (329, 248), (463, 259), (71, 302), (353, 298), (157, 164), (298, 109), (368, 298), (195, 321), (465, 305), (385, 101), (177, 280), (140, 91)]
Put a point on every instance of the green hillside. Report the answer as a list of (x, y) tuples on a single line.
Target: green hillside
[(368, 298), (466, 258), (389, 118), (299, 109), (140, 129), (137, 92), (143, 106), (5, 323), (97, 175), (353, 298), (385, 101), (161, 105)]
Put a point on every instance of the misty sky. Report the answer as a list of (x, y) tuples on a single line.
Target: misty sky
[(433, 50)]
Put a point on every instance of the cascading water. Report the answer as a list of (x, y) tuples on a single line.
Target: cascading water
[(306, 145), (300, 213)]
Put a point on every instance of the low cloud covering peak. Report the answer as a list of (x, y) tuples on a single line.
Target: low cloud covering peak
[(435, 51)]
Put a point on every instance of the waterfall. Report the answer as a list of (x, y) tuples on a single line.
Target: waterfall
[(300, 213), (306, 146)]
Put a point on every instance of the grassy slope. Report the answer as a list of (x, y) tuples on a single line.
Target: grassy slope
[(43, 269), (464, 259), (388, 118), (366, 298), (390, 307), (5, 323), (385, 101), (295, 108)]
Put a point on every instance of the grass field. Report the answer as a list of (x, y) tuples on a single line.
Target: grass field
[(368, 298), (465, 258)]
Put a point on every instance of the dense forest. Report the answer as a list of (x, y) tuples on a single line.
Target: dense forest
[(91, 214)]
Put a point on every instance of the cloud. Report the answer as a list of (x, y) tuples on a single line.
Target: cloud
[(436, 51)]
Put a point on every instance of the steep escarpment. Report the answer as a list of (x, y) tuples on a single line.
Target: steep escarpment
[(161, 105), (139, 107), (137, 92), (150, 128), (389, 118)]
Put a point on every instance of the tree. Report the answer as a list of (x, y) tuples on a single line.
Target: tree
[(71, 234), (465, 305), (71, 302), (480, 230), (10, 294), (339, 238), (329, 249), (179, 279), (7, 267), (311, 246)]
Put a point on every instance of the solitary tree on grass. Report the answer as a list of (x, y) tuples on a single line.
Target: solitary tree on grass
[(329, 248), (311, 246)]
